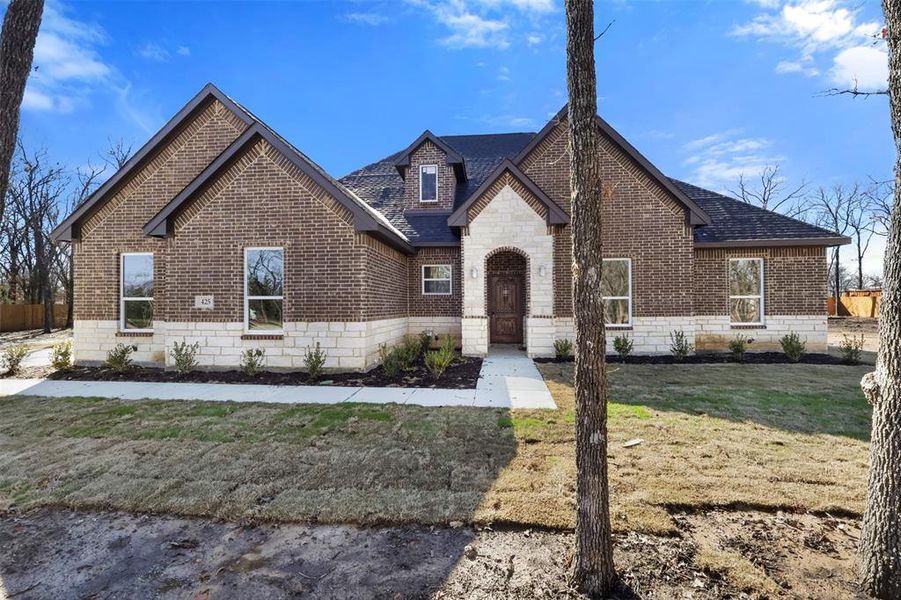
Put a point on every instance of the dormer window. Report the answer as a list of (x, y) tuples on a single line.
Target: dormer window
[(428, 183)]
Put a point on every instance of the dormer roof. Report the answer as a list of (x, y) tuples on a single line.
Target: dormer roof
[(454, 158)]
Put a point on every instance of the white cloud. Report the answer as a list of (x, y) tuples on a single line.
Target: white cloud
[(69, 70), (718, 160), (863, 66), (489, 24), (503, 74), (154, 52), (366, 18), (183, 51), (797, 66), (812, 28)]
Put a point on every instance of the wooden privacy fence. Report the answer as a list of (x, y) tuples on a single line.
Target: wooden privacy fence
[(857, 303), (20, 317)]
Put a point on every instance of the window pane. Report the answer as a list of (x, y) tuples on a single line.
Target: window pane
[(137, 276), (138, 314), (615, 278), (429, 182), (438, 287), (745, 310), (437, 272), (264, 314), (744, 277), (265, 272), (617, 312)]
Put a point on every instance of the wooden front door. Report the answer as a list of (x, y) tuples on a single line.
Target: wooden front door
[(505, 309)]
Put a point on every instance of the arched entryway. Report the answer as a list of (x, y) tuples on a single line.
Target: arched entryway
[(507, 292)]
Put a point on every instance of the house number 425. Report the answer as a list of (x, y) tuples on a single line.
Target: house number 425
[(203, 302)]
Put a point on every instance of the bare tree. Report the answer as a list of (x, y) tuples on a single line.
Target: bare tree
[(833, 208), (35, 203), (20, 31), (863, 225), (880, 540), (117, 153), (880, 195), (770, 191), (593, 570)]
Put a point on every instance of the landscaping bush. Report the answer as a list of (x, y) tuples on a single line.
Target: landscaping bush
[(391, 362), (314, 361), (13, 356), (563, 348), (252, 360), (851, 347), (623, 345), (408, 352), (438, 361), (61, 355), (119, 357), (185, 356), (739, 346), (680, 346), (425, 342), (448, 343), (792, 346)]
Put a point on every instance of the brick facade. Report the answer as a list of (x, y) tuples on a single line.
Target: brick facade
[(430, 154), (350, 292)]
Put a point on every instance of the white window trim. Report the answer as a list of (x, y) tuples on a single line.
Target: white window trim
[(629, 297), (421, 167), (247, 299), (122, 256), (424, 279), (760, 296)]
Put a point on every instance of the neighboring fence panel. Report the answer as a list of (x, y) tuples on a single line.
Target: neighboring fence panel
[(21, 317), (857, 303)]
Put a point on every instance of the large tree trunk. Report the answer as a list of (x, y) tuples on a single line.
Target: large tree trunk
[(593, 568), (20, 31), (880, 542)]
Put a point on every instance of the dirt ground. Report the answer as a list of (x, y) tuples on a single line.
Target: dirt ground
[(34, 338), (855, 326), (68, 554)]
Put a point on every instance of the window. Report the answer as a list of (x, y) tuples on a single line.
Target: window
[(136, 292), (264, 288), (436, 280), (616, 288), (746, 290), (428, 183)]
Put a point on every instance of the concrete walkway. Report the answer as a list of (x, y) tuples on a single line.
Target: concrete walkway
[(508, 380)]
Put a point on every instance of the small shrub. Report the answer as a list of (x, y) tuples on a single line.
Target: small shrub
[(563, 348), (680, 346), (851, 347), (119, 357), (408, 352), (739, 346), (438, 361), (13, 356), (252, 360), (425, 342), (314, 361), (623, 345), (390, 358), (792, 346), (185, 356), (448, 343), (61, 355)]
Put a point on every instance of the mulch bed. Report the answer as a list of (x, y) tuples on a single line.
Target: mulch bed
[(709, 358), (463, 374)]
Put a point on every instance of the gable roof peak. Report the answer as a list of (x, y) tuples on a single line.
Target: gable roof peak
[(452, 157)]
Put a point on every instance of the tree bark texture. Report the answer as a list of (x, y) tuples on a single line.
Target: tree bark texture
[(593, 566), (880, 544), (20, 31)]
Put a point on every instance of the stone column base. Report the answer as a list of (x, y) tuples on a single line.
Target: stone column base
[(475, 336)]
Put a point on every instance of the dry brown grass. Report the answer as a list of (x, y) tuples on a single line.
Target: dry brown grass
[(780, 436)]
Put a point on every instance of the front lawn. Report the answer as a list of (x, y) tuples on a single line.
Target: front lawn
[(786, 436)]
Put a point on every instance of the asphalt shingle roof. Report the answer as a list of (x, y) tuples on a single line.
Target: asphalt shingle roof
[(380, 186), (734, 220)]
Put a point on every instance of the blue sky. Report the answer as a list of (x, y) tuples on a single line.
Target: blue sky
[(706, 90)]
